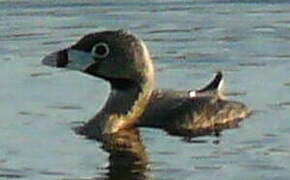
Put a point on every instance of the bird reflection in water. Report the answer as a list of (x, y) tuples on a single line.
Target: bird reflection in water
[(128, 158)]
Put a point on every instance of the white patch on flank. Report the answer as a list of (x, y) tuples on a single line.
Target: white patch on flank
[(192, 94), (79, 60), (221, 85)]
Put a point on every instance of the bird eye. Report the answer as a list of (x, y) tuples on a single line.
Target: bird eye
[(100, 50)]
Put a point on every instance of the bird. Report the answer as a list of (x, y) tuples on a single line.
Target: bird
[(124, 61)]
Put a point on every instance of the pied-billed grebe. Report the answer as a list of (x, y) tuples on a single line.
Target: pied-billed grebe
[(123, 60)]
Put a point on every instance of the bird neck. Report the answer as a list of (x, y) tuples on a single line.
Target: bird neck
[(126, 103), (129, 98)]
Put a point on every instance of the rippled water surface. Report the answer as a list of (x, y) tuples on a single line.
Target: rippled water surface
[(189, 40)]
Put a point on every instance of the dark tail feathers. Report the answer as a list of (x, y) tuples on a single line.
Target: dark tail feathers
[(214, 85)]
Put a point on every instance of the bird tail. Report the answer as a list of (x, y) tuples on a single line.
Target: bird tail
[(213, 88), (215, 84)]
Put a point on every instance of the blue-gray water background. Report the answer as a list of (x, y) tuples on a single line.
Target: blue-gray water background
[(190, 40)]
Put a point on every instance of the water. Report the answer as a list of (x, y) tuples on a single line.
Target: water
[(190, 41)]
